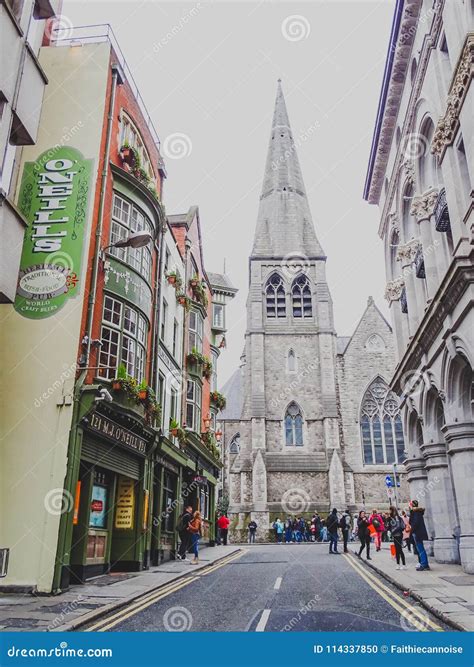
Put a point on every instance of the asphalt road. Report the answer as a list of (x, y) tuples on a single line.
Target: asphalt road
[(299, 587)]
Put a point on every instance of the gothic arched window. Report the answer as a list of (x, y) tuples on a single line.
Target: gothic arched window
[(275, 295), (301, 297), (234, 446), (381, 425), (293, 426)]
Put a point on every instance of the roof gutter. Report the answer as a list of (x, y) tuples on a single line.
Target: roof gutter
[(397, 19)]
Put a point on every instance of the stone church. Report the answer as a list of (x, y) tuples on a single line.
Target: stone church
[(310, 422)]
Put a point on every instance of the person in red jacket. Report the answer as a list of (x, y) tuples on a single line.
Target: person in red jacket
[(223, 525), (377, 522)]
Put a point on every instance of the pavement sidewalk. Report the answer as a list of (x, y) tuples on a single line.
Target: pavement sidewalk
[(445, 590), (83, 603)]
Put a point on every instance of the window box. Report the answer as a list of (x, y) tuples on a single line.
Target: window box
[(218, 399), (174, 279), (199, 290), (130, 158), (183, 300)]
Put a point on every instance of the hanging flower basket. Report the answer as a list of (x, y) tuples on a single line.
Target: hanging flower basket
[(218, 399)]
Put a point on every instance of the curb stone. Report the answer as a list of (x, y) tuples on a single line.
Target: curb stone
[(114, 606), (434, 610)]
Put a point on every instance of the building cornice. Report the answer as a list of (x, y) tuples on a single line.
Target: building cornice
[(448, 124)]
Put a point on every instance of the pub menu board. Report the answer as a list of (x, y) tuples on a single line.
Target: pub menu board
[(125, 504)]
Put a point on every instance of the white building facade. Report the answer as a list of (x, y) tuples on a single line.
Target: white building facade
[(421, 175)]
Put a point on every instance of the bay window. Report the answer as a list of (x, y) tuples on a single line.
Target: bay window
[(195, 331), (128, 219), (123, 336), (193, 406)]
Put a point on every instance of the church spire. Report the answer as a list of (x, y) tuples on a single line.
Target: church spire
[(284, 224)]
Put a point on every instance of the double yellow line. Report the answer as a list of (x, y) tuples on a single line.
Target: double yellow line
[(151, 598), (414, 616)]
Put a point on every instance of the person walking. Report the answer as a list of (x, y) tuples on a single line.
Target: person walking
[(223, 524), (279, 530), (345, 525), (194, 527), (252, 530), (332, 524), (183, 532), (296, 531), (406, 531), (363, 534), (420, 534), (288, 531), (397, 526), (377, 522)]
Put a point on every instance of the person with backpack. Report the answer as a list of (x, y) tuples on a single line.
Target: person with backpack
[(194, 528), (183, 532), (345, 525), (252, 530), (223, 524), (363, 534), (420, 534), (377, 522), (332, 524), (397, 526)]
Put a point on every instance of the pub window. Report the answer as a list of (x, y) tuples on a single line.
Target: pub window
[(128, 219), (124, 336), (275, 297), (193, 406), (204, 502), (169, 502), (195, 330)]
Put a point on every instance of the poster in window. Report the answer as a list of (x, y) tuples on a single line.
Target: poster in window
[(125, 504), (98, 516)]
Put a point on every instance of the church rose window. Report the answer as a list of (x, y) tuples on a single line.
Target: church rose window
[(381, 425), (301, 296), (293, 426), (276, 299)]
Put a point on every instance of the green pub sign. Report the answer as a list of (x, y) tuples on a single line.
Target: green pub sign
[(54, 196)]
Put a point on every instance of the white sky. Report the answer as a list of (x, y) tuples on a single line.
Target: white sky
[(214, 80)]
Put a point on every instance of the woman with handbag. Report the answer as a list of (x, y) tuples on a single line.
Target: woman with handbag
[(397, 526), (194, 528)]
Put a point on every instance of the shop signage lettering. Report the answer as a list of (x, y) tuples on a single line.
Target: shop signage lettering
[(125, 504), (116, 433), (167, 464), (97, 505), (54, 196)]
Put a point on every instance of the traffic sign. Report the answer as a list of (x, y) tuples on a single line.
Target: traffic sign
[(388, 481)]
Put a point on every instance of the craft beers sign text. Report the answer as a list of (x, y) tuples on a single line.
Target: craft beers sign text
[(54, 198)]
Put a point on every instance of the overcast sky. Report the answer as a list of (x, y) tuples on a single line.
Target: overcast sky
[(208, 70)]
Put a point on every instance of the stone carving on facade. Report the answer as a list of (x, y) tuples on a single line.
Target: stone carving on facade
[(394, 288), (392, 219), (423, 206), (409, 167), (448, 125), (406, 253)]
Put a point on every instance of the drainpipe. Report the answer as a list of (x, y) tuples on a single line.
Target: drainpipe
[(155, 361), (187, 248), (116, 78)]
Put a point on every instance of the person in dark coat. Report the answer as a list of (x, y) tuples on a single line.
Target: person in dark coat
[(345, 524), (363, 534), (420, 534), (332, 524), (183, 532), (396, 525)]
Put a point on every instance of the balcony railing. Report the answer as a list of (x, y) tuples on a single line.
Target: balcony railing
[(441, 213), (420, 264), (92, 34)]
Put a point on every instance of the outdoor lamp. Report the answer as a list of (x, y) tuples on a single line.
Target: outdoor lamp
[(135, 240), (207, 422), (218, 435)]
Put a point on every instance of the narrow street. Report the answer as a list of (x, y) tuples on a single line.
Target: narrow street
[(299, 587)]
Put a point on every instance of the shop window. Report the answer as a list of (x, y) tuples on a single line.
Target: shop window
[(130, 135), (123, 336), (195, 330), (204, 502), (218, 316), (99, 500), (127, 219), (169, 502), (193, 406)]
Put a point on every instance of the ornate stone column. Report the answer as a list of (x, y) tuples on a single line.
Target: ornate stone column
[(418, 481), (460, 439), (422, 208), (442, 502)]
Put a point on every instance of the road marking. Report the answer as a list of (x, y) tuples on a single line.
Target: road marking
[(393, 600), (213, 568), (278, 583), (406, 604), (263, 620), (115, 619)]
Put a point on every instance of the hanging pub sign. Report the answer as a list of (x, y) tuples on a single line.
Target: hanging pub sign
[(54, 195)]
